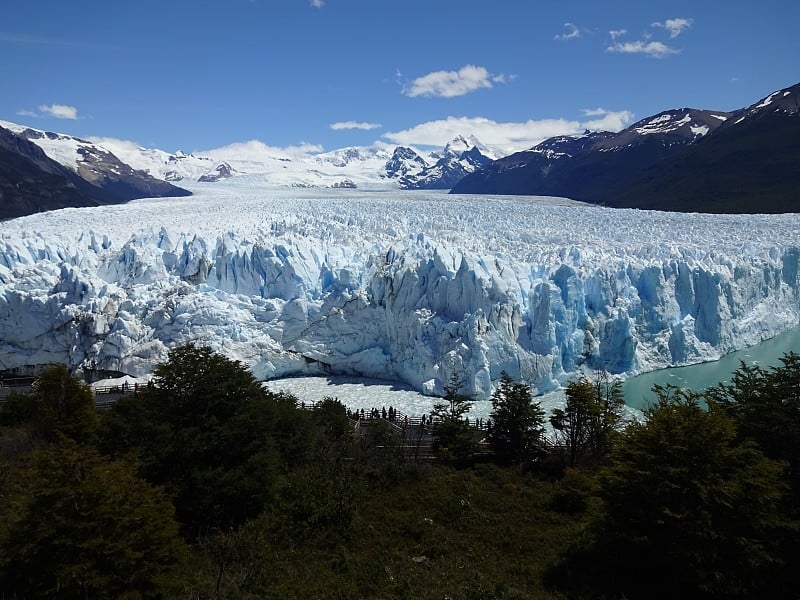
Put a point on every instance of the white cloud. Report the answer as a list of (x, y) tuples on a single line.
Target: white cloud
[(59, 111), (111, 142), (652, 49), (609, 120), (317, 3), (674, 26), (303, 148), (354, 125), (573, 33), (449, 84), (508, 137), (617, 33), (256, 149)]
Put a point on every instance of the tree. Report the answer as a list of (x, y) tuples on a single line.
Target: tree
[(765, 405), (58, 405), (690, 510), (85, 527), (517, 422), (590, 418), (453, 436), (212, 436)]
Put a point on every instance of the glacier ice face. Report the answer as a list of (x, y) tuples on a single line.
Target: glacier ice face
[(407, 286)]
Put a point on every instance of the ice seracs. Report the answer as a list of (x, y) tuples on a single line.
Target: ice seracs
[(412, 287)]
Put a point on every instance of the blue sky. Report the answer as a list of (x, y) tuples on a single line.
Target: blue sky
[(324, 74)]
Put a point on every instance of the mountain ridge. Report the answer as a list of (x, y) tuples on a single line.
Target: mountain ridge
[(682, 159), (685, 159), (45, 171)]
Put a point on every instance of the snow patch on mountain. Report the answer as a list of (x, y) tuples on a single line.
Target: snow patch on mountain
[(460, 157), (222, 171)]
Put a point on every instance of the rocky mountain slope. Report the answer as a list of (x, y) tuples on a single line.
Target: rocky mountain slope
[(684, 159), (30, 182), (460, 157), (44, 171)]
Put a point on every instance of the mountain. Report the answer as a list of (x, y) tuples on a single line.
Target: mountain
[(684, 159), (360, 166), (404, 162), (222, 171), (750, 164), (96, 174), (377, 166), (460, 157), (30, 182)]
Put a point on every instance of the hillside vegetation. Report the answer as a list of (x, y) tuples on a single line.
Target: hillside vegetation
[(204, 485)]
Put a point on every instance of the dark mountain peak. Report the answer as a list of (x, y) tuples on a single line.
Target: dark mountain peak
[(404, 152), (62, 170), (404, 161), (222, 171), (785, 102), (667, 128), (460, 157), (570, 145), (22, 146), (30, 182)]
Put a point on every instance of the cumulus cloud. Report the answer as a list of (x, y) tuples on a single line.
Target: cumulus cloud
[(652, 49), (317, 3), (593, 112), (339, 125), (607, 120), (57, 111), (573, 33), (449, 84), (617, 33), (256, 149), (507, 137), (113, 143), (674, 26)]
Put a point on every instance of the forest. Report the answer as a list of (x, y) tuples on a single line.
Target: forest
[(204, 485)]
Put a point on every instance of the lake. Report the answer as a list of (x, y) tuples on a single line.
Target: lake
[(638, 390)]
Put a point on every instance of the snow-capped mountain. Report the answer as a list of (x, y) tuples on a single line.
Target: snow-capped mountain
[(404, 162), (581, 166), (222, 171), (46, 170), (361, 166), (683, 159), (31, 182), (410, 287), (377, 166), (460, 157)]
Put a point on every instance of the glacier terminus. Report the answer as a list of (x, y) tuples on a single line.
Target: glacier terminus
[(411, 286)]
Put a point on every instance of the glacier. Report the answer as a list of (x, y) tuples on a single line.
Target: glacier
[(406, 286)]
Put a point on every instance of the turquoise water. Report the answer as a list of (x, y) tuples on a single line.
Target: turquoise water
[(638, 390)]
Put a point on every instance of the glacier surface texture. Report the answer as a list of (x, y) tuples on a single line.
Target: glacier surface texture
[(407, 286)]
